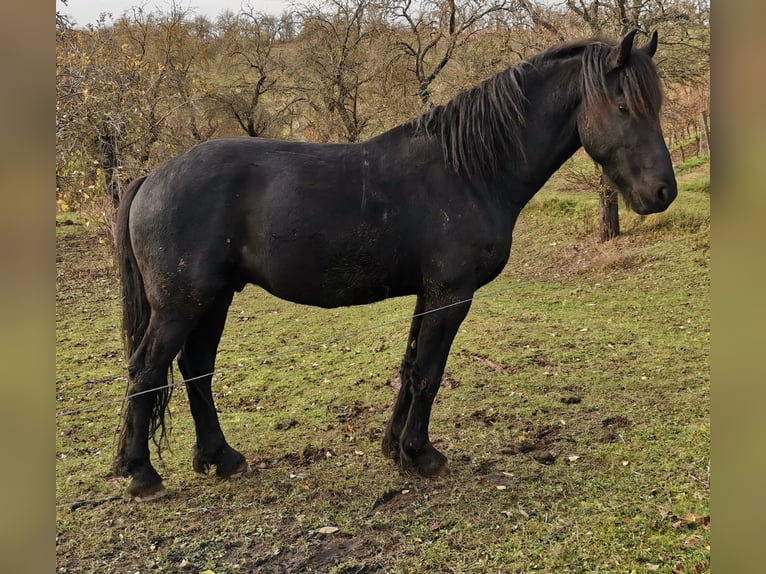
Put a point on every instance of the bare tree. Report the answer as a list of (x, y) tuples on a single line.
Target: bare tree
[(248, 68), (543, 16), (435, 29), (126, 95), (92, 85), (340, 58)]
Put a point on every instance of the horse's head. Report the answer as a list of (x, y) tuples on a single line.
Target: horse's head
[(619, 124)]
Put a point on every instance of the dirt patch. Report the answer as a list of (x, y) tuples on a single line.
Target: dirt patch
[(494, 366), (318, 554), (396, 498), (572, 395), (286, 425), (487, 418), (610, 431), (540, 442)]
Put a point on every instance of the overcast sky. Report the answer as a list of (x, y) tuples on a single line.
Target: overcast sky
[(87, 11)]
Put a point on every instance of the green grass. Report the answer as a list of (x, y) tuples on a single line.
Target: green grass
[(574, 411), (691, 164), (701, 185)]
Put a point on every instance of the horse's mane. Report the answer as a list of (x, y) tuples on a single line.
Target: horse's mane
[(481, 127)]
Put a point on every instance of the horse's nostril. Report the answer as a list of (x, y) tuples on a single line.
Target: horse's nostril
[(663, 194), (666, 193)]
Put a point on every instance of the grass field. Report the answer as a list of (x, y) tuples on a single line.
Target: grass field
[(574, 410)]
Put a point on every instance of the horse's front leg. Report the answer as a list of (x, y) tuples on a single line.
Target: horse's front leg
[(436, 333), (404, 397)]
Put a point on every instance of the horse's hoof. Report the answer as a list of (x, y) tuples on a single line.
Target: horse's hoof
[(241, 471), (145, 484), (228, 462), (231, 464), (151, 494), (435, 472), (429, 463), (432, 469)]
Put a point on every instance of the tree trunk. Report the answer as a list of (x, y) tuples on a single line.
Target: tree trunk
[(109, 162), (608, 215), (704, 148)]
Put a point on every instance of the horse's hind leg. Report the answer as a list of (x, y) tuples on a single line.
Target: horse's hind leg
[(147, 370), (197, 362)]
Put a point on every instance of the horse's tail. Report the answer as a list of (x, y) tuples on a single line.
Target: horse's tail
[(135, 320), (135, 306)]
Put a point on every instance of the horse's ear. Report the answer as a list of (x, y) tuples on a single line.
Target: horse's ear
[(621, 54), (651, 46)]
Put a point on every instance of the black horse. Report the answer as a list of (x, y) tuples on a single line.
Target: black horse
[(425, 209)]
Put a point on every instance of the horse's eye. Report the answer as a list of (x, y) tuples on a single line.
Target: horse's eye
[(623, 108)]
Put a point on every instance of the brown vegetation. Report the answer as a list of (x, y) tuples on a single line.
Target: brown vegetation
[(137, 90)]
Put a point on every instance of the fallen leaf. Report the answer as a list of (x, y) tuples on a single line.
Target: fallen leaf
[(696, 519), (652, 566), (692, 520), (501, 487), (328, 530), (573, 458)]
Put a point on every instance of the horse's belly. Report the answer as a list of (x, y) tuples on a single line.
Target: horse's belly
[(315, 273), (335, 287)]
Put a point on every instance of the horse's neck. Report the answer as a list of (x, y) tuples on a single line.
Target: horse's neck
[(550, 134)]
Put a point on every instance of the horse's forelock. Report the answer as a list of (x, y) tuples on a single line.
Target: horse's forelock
[(638, 80), (641, 86)]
